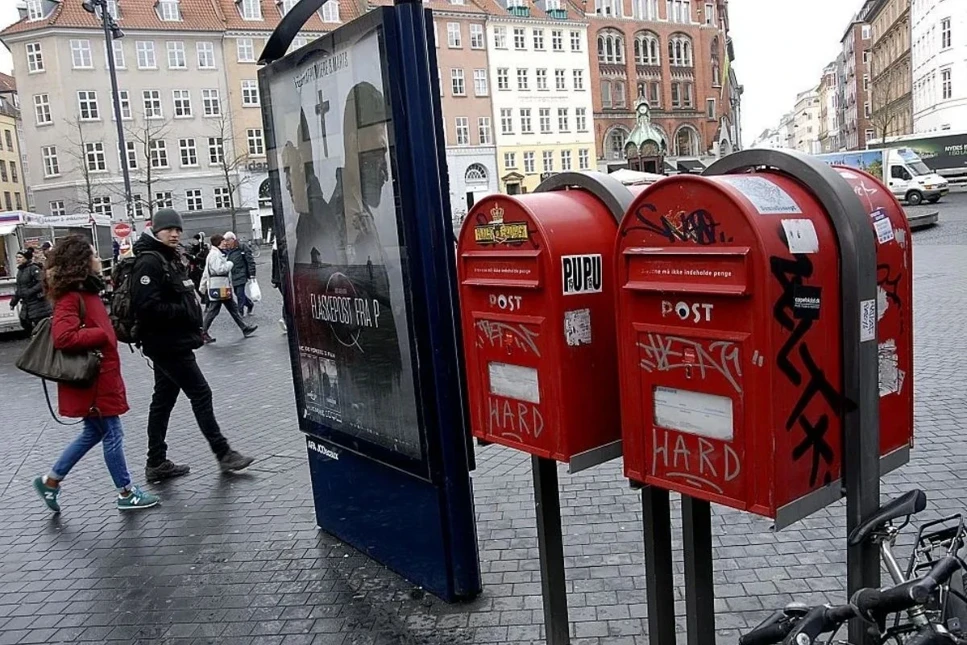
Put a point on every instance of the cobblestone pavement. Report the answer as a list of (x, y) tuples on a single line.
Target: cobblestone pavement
[(239, 559)]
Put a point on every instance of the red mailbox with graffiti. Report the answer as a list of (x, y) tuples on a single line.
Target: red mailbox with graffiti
[(537, 304), (730, 343), (894, 311)]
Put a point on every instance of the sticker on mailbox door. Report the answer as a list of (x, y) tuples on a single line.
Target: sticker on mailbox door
[(581, 274)]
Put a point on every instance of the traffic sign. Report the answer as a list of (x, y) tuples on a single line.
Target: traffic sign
[(122, 230)]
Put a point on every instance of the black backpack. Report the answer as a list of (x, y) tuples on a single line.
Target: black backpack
[(123, 316)]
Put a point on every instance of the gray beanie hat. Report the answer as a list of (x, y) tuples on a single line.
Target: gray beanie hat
[(167, 218)]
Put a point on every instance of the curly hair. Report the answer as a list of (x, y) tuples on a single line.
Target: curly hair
[(67, 267)]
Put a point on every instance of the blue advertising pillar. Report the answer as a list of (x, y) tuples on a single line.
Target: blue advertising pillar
[(359, 192)]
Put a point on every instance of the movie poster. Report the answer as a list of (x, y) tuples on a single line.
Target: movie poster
[(333, 141)]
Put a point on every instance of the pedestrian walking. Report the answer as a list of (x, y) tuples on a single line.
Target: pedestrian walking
[(170, 326), (81, 323), (277, 282), (29, 291), (243, 270), (217, 283)]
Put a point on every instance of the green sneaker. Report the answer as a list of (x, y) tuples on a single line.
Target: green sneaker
[(137, 499), (48, 494)]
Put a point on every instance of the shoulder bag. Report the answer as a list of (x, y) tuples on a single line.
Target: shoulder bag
[(41, 358)]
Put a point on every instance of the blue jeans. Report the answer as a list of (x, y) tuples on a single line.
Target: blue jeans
[(106, 430), (243, 301)]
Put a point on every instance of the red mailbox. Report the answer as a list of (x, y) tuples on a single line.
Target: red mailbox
[(730, 342), (537, 304)]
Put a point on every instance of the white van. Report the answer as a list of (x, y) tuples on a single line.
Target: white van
[(908, 178)]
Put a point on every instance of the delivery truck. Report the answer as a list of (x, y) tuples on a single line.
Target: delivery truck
[(908, 178), (945, 153)]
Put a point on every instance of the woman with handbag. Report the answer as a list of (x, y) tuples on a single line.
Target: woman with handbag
[(80, 325), (29, 293), (217, 283)]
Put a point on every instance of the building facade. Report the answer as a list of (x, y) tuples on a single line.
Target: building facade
[(806, 122), (828, 109), (770, 138), (677, 54), (13, 186), (939, 58), (855, 125), (542, 94), (891, 67)]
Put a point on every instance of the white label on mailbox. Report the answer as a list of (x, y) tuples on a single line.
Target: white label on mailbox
[(581, 274), (867, 320), (768, 198), (801, 235), (698, 413), (514, 382), (884, 230), (577, 327)]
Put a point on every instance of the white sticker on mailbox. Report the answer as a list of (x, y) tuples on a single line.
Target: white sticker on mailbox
[(577, 327), (767, 197), (867, 320), (514, 382), (581, 274), (707, 415), (800, 236)]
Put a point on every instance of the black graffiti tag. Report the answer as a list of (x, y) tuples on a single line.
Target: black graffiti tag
[(790, 274), (698, 226), (891, 287)]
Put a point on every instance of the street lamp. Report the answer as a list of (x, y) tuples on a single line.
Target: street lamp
[(111, 32)]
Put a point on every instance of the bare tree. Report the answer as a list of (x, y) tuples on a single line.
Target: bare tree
[(148, 159), (78, 150), (883, 93), (230, 159)]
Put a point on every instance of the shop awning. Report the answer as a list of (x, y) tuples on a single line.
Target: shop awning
[(669, 168), (7, 229), (690, 165)]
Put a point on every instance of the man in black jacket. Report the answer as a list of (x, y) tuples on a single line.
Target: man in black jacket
[(170, 329), (243, 270)]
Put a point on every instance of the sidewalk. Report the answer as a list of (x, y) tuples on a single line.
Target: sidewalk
[(239, 560)]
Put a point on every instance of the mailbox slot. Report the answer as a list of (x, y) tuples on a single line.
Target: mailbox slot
[(721, 271)]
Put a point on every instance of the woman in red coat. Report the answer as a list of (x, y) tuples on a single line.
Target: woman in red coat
[(80, 324)]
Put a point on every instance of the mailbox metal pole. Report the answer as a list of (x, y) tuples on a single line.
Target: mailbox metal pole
[(550, 544), (699, 585), (659, 572)]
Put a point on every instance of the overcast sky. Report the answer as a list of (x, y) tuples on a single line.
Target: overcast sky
[(781, 48)]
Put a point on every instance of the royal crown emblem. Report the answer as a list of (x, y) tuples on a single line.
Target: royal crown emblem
[(497, 214)]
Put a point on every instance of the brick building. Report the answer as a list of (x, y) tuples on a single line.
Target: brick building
[(676, 54), (857, 111)]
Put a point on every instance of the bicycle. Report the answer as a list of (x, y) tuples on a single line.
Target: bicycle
[(256, 247)]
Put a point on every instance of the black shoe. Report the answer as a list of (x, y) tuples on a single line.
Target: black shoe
[(248, 331), (207, 338), (234, 461), (165, 470)]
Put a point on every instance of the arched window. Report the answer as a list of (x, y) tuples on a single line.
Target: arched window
[(686, 142), (647, 48), (611, 47), (680, 50), (476, 174), (616, 143)]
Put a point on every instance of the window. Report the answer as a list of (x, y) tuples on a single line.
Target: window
[(946, 84), (87, 105), (42, 109), (256, 147), (680, 50), (500, 37), (206, 55), (118, 47), (9, 137), (453, 35), (94, 155), (222, 199), (522, 83), (606, 101), (35, 58), (867, 110), (520, 41), (866, 57), (132, 154), (503, 78), (710, 108), (583, 159), (525, 121), (654, 97), (562, 120), (506, 121), (608, 7), (945, 34), (476, 37), (618, 92), (538, 35), (541, 79), (285, 6), (680, 11), (14, 177), (251, 10), (867, 32), (647, 49), (457, 84), (182, 101), (193, 199), (3, 171), (51, 165), (81, 54), (158, 153), (301, 41), (687, 95), (145, 51), (560, 80), (17, 202), (548, 160), (330, 11), (579, 79), (101, 206), (557, 40), (480, 87), (869, 134), (188, 151), (611, 47), (246, 50), (176, 55), (211, 104), (581, 119), (545, 120), (152, 104), (565, 159), (168, 10), (575, 41), (709, 13), (57, 208), (529, 162), (163, 200), (35, 9), (250, 93), (6, 199), (484, 132), (463, 131), (510, 160), (124, 100), (216, 151)]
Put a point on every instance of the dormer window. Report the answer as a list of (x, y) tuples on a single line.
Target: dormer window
[(285, 6), (251, 9), (112, 9), (330, 11), (35, 9), (553, 5), (169, 10)]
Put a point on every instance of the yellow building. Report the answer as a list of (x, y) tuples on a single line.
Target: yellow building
[(13, 191)]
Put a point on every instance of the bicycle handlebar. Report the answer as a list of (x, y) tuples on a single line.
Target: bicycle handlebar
[(773, 630), (873, 604)]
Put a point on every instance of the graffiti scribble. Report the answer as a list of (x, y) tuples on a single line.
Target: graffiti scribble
[(666, 353), (500, 334)]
